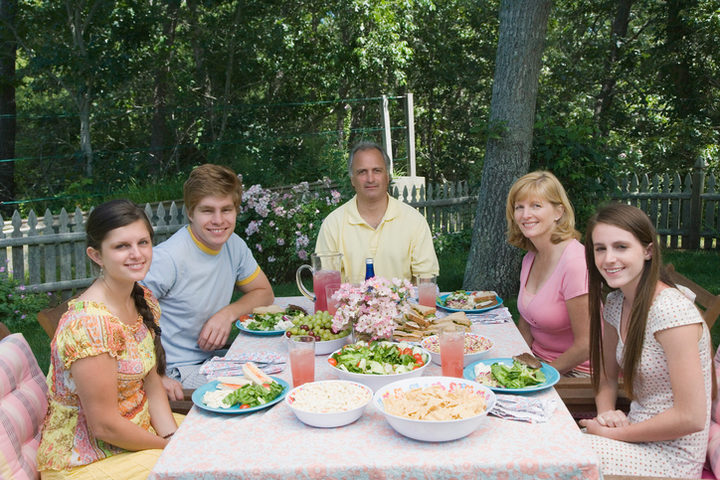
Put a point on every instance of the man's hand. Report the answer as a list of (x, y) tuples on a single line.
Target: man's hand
[(216, 330), (172, 387)]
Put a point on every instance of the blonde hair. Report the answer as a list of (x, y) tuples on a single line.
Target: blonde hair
[(210, 180), (544, 186)]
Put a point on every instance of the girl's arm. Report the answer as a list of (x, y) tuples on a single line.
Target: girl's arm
[(688, 413), (578, 352), (161, 416), (524, 328), (96, 381)]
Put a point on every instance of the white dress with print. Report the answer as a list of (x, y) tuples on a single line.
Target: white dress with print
[(684, 456)]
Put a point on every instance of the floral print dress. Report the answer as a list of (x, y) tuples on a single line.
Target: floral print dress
[(88, 329)]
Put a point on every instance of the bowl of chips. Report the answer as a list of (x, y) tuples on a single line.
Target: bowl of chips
[(434, 409), (476, 347)]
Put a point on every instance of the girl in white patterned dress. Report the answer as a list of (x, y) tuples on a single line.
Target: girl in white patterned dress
[(658, 340)]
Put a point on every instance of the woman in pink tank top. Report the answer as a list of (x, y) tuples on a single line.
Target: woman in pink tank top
[(552, 299)]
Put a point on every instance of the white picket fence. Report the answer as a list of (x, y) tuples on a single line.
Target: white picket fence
[(49, 251)]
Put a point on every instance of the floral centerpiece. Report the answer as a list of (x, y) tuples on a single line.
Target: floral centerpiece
[(372, 307)]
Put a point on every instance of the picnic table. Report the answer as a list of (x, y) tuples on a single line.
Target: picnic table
[(273, 443)]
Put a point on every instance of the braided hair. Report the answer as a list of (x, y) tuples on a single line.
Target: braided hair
[(101, 221)]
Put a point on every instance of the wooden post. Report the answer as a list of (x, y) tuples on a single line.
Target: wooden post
[(387, 139), (698, 186), (410, 122)]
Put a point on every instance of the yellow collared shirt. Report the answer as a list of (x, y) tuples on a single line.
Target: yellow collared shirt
[(401, 245)]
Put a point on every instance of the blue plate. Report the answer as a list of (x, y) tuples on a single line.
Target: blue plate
[(198, 394), (440, 302), (267, 333), (552, 376)]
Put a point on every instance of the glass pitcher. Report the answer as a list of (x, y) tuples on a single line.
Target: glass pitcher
[(325, 268)]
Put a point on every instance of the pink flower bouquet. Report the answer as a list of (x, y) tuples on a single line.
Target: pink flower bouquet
[(373, 306)]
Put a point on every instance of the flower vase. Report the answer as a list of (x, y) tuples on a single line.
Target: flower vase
[(364, 336)]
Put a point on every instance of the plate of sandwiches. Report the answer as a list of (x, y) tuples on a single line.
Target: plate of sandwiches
[(468, 301), (422, 321)]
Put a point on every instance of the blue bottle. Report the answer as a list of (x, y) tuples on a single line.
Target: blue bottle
[(369, 268)]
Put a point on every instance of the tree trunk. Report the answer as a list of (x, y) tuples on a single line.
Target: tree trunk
[(8, 54), (617, 35), (227, 93), (160, 133), (83, 103), (492, 263)]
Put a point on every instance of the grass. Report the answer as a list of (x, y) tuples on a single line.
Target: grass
[(700, 266)]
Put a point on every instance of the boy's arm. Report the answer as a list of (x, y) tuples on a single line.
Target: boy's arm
[(216, 330)]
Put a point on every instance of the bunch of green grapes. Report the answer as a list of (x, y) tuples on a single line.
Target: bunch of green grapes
[(318, 325)]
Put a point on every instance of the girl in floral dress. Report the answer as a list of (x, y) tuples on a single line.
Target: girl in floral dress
[(657, 339), (108, 414)]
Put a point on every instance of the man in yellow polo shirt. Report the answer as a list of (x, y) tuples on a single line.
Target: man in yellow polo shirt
[(375, 225)]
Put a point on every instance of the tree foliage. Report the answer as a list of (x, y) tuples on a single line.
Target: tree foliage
[(111, 92)]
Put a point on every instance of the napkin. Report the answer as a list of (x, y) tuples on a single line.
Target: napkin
[(523, 408), (496, 315), (231, 364)]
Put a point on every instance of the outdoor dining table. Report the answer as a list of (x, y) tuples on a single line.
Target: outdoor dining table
[(273, 443)]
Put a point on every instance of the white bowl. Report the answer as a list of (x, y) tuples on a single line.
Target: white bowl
[(468, 358), (328, 346), (377, 381), (333, 418), (325, 347), (434, 430)]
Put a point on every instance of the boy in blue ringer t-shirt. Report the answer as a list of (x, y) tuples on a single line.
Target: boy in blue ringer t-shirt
[(194, 272)]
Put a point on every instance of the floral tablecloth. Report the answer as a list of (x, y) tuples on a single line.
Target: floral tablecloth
[(274, 444)]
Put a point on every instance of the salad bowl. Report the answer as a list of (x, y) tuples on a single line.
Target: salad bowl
[(358, 396), (434, 430), (476, 347), (377, 380)]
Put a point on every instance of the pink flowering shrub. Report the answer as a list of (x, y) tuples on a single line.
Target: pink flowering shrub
[(280, 228), (373, 306)]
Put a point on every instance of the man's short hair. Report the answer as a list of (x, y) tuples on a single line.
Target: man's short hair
[(367, 145), (210, 180)]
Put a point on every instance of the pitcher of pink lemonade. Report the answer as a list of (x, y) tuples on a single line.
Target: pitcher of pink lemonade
[(325, 268)]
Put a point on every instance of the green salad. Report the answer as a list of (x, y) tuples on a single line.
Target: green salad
[(252, 394), (517, 376), (379, 358)]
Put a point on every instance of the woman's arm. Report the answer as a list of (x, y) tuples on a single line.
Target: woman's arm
[(606, 396), (96, 381), (578, 352), (161, 416), (688, 413), (524, 328)]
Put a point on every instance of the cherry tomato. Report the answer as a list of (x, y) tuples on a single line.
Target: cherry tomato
[(332, 361), (266, 385), (244, 406), (416, 366), (417, 357), (242, 318), (407, 351), (419, 363)]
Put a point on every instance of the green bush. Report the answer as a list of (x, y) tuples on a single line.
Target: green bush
[(18, 305)]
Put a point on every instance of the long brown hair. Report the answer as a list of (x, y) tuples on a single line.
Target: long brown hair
[(635, 221), (101, 221)]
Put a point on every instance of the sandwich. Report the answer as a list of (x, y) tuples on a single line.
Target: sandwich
[(483, 298), (255, 375), (268, 309), (528, 359)]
